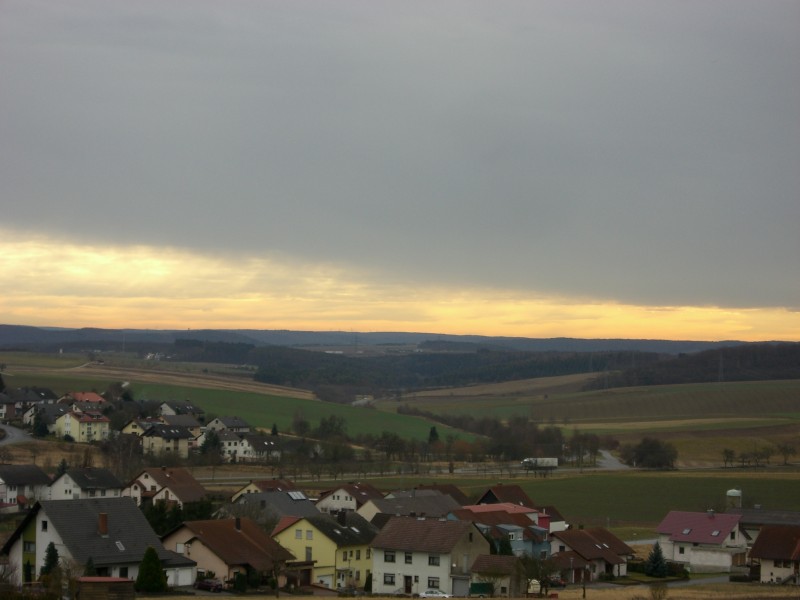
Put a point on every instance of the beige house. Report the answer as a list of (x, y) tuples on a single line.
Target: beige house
[(227, 547), (167, 439), (264, 485), (82, 427), (165, 484)]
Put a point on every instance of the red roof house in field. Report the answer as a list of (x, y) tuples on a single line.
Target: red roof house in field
[(777, 549), (705, 541)]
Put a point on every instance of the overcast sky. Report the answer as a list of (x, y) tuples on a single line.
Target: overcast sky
[(318, 165)]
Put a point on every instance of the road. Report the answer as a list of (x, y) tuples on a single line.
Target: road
[(609, 462), (13, 435)]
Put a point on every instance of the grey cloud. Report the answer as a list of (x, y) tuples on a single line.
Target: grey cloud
[(637, 151)]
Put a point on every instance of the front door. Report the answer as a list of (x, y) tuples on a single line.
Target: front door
[(408, 584)]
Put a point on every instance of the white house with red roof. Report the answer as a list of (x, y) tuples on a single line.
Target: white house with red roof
[(705, 542)]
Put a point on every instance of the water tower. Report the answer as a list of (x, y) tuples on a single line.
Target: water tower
[(734, 498)]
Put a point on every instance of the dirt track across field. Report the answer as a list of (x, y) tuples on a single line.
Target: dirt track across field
[(166, 377)]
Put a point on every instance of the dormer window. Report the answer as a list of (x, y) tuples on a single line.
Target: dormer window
[(687, 531)]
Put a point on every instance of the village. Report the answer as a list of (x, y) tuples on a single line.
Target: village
[(87, 527)]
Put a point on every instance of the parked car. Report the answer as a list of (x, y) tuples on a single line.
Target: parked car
[(212, 585), (555, 582), (432, 593)]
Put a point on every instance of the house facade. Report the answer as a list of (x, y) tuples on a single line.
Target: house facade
[(412, 555), (703, 541), (88, 482), (586, 554), (113, 532), (21, 486), (776, 552), (228, 547), (167, 439), (350, 496), (89, 426), (172, 485), (338, 546)]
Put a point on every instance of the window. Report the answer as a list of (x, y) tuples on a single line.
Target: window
[(123, 572), (309, 534), (351, 554), (358, 575), (44, 525), (388, 579), (29, 546), (681, 550), (358, 554), (298, 534), (388, 556), (409, 558), (179, 547), (733, 535), (308, 553), (433, 582), (433, 561), (344, 555), (369, 553)]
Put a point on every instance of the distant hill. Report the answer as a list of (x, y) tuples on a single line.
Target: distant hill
[(749, 362), (49, 338)]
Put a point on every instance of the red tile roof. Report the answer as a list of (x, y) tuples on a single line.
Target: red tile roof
[(506, 493), (777, 542), (421, 535), (594, 544), (698, 527), (495, 564)]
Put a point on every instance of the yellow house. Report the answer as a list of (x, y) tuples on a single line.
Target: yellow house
[(87, 426), (338, 545)]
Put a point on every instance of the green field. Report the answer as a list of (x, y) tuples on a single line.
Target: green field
[(258, 409), (632, 499)]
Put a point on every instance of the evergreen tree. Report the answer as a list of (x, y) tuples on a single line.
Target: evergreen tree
[(50, 559), (2, 383), (39, 426), (62, 468), (151, 576), (433, 435), (89, 570), (504, 547), (656, 565), (275, 429)]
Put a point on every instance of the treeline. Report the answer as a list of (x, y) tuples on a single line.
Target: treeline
[(382, 374), (749, 362)]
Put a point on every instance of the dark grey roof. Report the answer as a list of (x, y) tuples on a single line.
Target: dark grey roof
[(23, 475), (420, 506), (262, 443), (168, 432), (760, 516), (76, 521), (354, 531), (232, 422), (184, 407), (50, 412), (181, 420), (281, 504), (94, 479)]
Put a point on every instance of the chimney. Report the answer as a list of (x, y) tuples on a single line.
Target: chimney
[(238, 524), (102, 524), (710, 512)]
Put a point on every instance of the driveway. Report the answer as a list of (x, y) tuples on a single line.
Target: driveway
[(14, 435)]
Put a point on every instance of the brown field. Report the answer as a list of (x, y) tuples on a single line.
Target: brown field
[(539, 386)]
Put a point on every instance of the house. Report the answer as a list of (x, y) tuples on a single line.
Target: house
[(435, 506), (235, 424), (264, 485), (703, 541), (112, 532), (48, 413), (269, 507), (447, 488), (502, 572), (777, 552), (21, 486), (181, 408), (350, 496), (339, 546), (138, 426), (88, 426), (259, 448), (585, 554), (90, 397), (411, 555), (753, 519), (87, 482), (228, 547), (525, 528), (165, 484), (512, 494), (8, 408), (166, 439), (190, 422)]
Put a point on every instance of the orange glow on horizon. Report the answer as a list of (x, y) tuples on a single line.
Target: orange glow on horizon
[(53, 284)]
